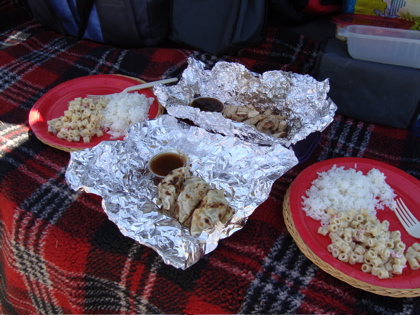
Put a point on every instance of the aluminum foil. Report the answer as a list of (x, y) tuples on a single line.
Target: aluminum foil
[(301, 98), (118, 172)]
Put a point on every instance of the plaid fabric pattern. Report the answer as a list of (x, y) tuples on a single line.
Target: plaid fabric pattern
[(61, 255)]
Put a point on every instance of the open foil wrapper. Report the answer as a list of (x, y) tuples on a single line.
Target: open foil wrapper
[(118, 172), (301, 98)]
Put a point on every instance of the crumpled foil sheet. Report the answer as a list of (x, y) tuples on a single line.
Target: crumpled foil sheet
[(118, 172), (301, 98)]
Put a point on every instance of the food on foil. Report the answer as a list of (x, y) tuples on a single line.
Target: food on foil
[(118, 171), (192, 201), (301, 99), (265, 121), (114, 114), (238, 162)]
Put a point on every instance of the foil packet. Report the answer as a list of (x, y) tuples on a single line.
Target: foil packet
[(118, 172), (301, 98)]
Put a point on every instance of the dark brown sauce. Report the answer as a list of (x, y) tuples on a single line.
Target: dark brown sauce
[(163, 163), (208, 104)]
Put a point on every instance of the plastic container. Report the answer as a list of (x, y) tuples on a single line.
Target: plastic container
[(164, 162), (381, 44), (344, 20)]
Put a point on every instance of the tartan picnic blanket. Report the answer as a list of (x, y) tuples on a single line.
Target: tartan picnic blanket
[(59, 253)]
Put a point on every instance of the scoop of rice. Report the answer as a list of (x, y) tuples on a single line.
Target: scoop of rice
[(124, 110), (346, 190)]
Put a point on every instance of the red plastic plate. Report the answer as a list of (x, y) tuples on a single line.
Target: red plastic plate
[(53, 104), (405, 186)]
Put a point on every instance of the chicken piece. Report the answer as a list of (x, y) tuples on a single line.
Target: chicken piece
[(253, 120), (252, 111), (281, 134), (266, 122), (268, 112), (282, 125), (241, 113), (230, 111), (265, 125)]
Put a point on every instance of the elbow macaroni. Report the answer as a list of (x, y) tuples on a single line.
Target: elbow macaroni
[(413, 256), (362, 238), (81, 121)]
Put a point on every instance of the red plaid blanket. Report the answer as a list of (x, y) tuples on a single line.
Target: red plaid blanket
[(61, 255)]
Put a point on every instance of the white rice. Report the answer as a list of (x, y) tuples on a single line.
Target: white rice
[(346, 190), (124, 110)]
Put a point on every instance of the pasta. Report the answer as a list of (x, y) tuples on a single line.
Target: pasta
[(81, 121), (413, 256), (359, 237)]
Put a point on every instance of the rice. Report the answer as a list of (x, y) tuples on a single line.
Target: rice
[(346, 190), (124, 110)]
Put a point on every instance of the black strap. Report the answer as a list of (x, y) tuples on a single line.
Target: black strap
[(84, 7), (56, 18)]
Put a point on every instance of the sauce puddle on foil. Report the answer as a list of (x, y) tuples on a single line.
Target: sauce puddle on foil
[(163, 163)]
